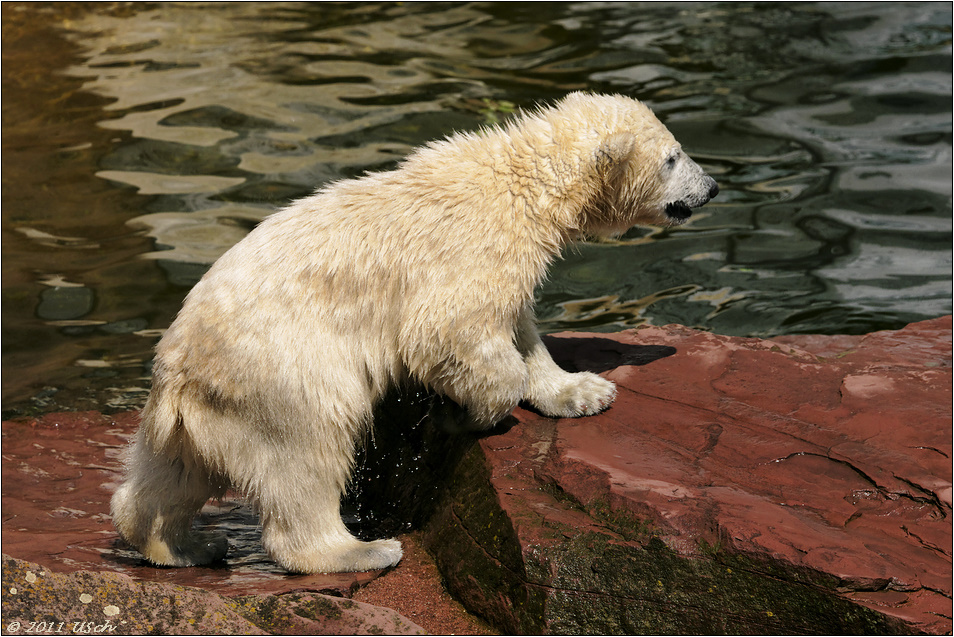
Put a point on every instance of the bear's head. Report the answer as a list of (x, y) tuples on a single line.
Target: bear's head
[(640, 173)]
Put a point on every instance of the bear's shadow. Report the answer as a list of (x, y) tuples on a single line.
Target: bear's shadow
[(597, 354), (409, 456)]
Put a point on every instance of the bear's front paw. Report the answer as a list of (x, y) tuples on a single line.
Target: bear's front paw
[(580, 394)]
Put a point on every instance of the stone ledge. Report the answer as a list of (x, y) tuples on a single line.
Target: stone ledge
[(800, 484)]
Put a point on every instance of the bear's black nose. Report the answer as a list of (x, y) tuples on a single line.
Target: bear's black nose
[(713, 189)]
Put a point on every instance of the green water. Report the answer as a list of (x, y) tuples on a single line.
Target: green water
[(140, 141)]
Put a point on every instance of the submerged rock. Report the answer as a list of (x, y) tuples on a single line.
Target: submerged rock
[(793, 485)]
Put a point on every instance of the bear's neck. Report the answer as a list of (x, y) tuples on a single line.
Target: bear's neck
[(544, 182)]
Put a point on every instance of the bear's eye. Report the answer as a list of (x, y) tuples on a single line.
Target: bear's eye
[(671, 161)]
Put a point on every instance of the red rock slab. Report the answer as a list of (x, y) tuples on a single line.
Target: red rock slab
[(829, 455), (59, 472)]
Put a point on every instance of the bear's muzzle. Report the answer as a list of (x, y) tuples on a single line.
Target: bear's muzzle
[(680, 211)]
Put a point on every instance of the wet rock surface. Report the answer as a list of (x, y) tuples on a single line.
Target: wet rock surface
[(59, 473), (800, 484)]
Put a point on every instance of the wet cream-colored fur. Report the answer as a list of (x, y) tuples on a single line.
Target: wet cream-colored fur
[(267, 378)]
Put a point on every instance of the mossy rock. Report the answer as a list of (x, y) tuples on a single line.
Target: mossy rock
[(623, 580)]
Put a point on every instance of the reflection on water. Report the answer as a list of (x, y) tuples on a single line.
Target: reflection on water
[(167, 131)]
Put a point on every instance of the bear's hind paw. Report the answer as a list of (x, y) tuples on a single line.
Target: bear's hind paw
[(354, 557), (201, 547), (371, 556)]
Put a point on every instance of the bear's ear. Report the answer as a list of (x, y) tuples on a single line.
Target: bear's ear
[(615, 150)]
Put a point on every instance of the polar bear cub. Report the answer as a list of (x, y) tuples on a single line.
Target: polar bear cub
[(266, 380)]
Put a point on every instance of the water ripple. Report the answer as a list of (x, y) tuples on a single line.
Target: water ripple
[(828, 127)]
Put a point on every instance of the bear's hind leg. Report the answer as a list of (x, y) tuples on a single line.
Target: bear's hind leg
[(154, 508), (302, 528)]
